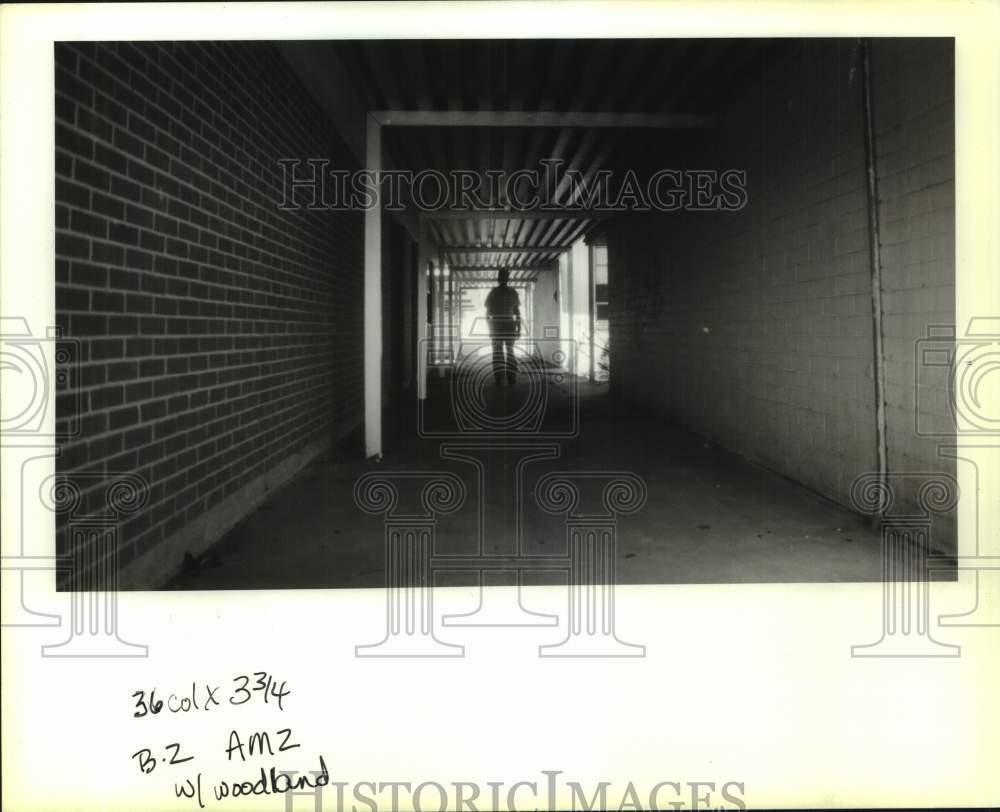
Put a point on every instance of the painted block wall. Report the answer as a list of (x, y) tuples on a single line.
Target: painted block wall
[(754, 327)]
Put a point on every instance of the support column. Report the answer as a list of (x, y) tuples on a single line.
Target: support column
[(423, 260), (451, 318), (373, 298), (408, 311), (459, 298), (440, 326), (571, 292), (565, 306), (434, 319), (592, 318)]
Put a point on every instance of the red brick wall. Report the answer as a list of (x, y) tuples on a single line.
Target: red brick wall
[(219, 337)]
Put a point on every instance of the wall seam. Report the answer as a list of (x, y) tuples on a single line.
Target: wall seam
[(875, 253)]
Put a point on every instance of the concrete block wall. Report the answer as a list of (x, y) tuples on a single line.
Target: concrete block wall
[(219, 337), (755, 327), (914, 116)]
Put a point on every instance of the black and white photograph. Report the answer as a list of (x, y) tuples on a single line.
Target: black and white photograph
[(715, 266), (468, 334)]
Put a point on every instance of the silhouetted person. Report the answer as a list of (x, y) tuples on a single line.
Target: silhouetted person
[(503, 312)]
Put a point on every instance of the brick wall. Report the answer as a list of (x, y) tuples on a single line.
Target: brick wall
[(755, 327), (219, 337)]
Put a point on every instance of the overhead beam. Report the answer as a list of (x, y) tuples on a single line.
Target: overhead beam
[(517, 214), (494, 268), (540, 118), (505, 249)]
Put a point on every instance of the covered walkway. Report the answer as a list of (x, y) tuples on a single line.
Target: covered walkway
[(711, 516), (734, 260)]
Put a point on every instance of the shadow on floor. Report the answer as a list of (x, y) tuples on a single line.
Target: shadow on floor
[(711, 516)]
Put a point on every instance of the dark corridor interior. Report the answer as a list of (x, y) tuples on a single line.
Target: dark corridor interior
[(710, 515)]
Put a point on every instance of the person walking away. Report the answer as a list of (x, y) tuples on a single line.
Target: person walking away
[(503, 313)]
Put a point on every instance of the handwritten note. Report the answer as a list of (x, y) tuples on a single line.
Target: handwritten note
[(252, 751)]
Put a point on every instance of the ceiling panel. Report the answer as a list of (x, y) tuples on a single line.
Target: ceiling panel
[(605, 76)]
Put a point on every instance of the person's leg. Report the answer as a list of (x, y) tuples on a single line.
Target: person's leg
[(511, 362), (498, 362)]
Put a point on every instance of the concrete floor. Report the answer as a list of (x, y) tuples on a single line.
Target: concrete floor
[(711, 516)]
